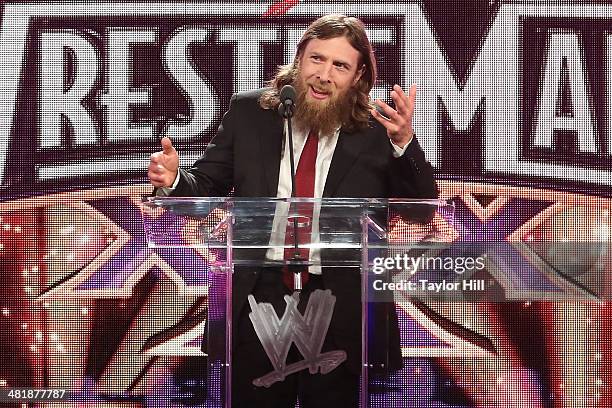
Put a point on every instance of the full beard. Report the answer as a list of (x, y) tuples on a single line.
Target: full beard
[(324, 115)]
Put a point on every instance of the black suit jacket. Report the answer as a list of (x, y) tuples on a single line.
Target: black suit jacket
[(245, 155)]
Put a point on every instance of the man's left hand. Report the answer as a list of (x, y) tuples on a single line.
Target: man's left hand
[(399, 122)]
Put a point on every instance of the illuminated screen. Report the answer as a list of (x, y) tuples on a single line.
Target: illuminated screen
[(514, 108)]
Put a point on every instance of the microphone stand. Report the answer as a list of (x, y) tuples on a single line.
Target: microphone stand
[(296, 262)]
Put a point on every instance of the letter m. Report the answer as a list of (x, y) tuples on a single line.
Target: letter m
[(492, 79)]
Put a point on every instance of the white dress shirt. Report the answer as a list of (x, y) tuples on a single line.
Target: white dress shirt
[(325, 152)]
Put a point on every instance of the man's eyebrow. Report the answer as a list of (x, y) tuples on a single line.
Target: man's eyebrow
[(336, 61)]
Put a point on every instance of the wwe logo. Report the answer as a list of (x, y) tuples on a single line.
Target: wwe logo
[(306, 331)]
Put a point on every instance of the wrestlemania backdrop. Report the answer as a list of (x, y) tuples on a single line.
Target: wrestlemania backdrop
[(514, 111)]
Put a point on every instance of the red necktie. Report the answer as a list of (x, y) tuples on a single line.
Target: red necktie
[(304, 187)]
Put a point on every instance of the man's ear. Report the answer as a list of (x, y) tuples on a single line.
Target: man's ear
[(358, 74)]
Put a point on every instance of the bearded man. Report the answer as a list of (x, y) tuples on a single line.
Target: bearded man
[(344, 148)]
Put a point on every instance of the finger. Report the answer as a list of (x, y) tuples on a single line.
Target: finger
[(387, 110), (408, 97), (404, 103), (390, 126), (156, 174), (400, 91), (156, 183), (167, 146), (155, 168), (401, 102), (155, 179), (412, 98), (156, 158)]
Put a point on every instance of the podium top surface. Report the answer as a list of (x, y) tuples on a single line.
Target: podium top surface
[(325, 201)]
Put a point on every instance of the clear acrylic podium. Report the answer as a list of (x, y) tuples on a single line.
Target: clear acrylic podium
[(234, 233)]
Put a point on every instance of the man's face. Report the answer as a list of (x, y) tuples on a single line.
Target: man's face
[(328, 69)]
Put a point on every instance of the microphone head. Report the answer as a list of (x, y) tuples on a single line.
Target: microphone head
[(287, 92)]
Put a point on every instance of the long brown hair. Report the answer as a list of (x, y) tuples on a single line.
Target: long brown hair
[(324, 28)]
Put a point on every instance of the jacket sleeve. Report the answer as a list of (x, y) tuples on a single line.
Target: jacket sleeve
[(411, 175), (212, 175)]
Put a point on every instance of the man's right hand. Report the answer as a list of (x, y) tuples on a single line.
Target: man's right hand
[(163, 166)]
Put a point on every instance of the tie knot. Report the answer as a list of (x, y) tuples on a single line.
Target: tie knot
[(313, 136)]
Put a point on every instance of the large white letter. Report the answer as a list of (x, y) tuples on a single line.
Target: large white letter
[(247, 55), (57, 101), (427, 66), (118, 98), (203, 102), (564, 46)]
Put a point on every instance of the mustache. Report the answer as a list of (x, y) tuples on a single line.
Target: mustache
[(323, 87)]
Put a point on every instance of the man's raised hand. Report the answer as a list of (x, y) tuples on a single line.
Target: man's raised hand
[(398, 121), (163, 166)]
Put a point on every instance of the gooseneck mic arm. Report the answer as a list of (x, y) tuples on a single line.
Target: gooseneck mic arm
[(287, 98), (285, 109)]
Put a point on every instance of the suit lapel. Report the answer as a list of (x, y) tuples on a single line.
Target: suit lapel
[(347, 150), (270, 139)]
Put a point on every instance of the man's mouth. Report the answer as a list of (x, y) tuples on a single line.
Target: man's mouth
[(318, 93)]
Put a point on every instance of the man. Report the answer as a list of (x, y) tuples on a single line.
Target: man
[(345, 153)]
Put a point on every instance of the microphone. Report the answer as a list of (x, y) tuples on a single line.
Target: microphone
[(287, 101), (285, 109)]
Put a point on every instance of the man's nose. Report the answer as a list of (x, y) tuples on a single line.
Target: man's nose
[(325, 72)]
